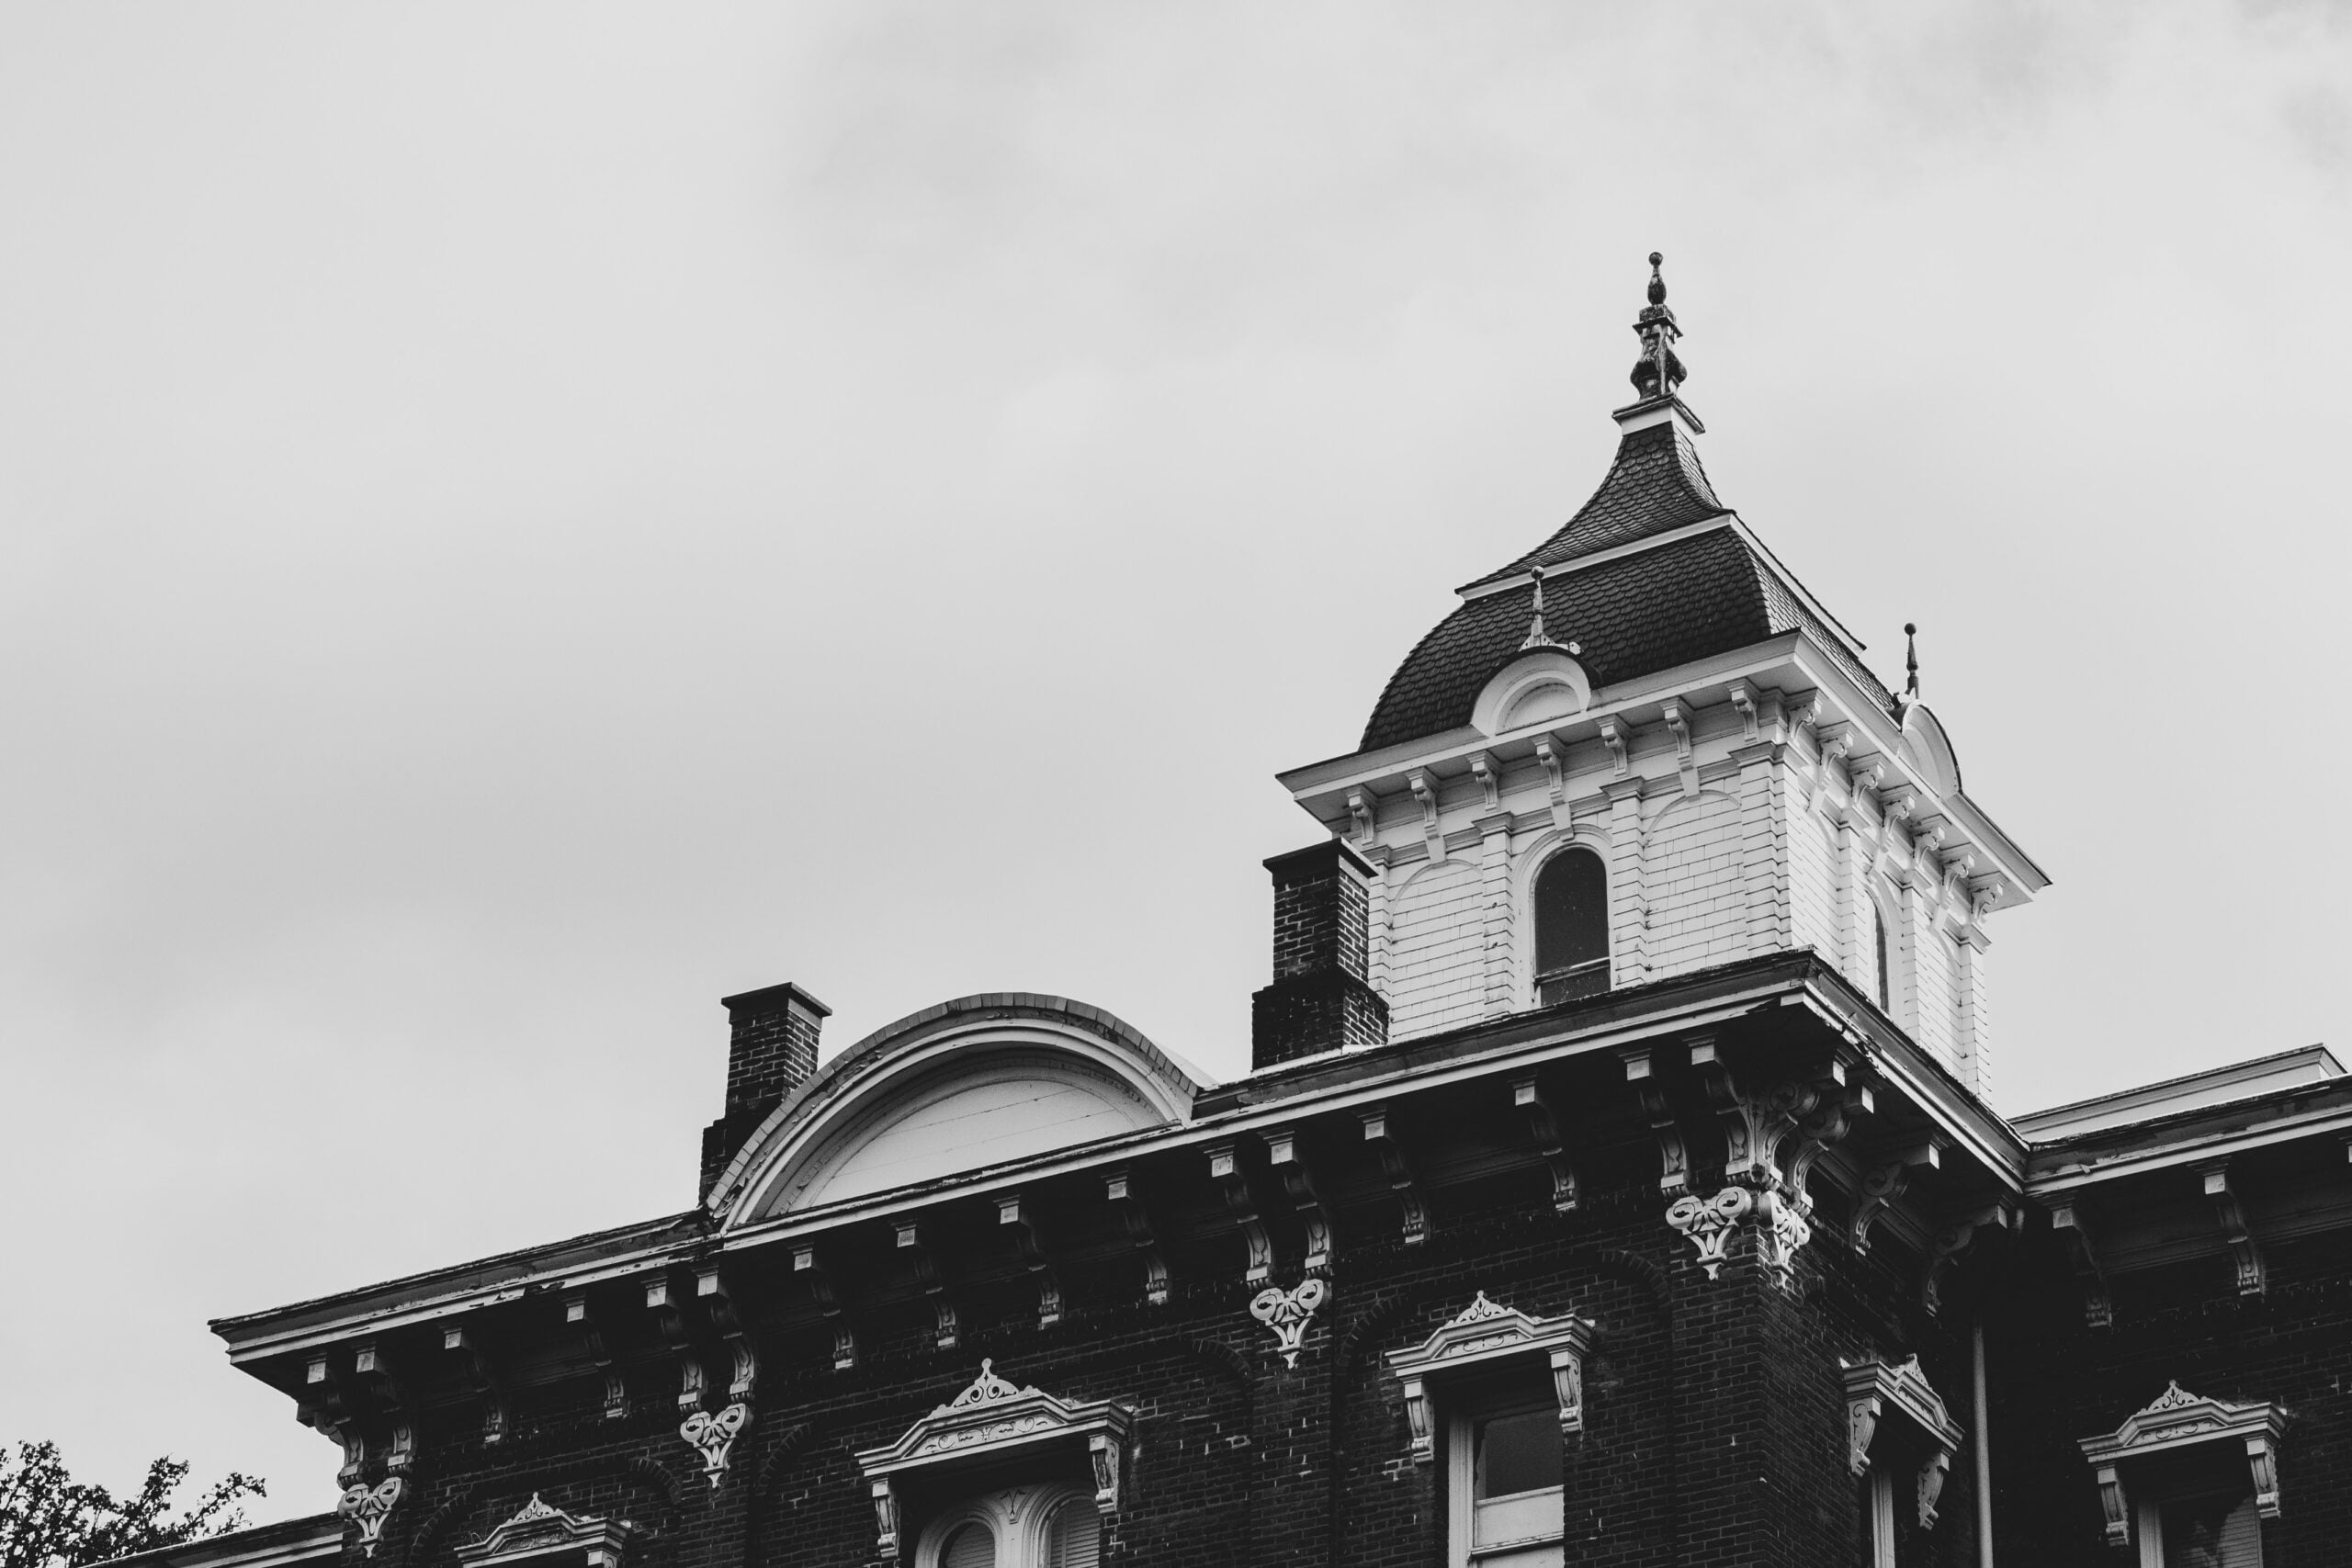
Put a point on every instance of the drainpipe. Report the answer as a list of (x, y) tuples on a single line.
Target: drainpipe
[(1984, 1448)]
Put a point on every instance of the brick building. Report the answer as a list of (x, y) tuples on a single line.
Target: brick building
[(1617, 1182)]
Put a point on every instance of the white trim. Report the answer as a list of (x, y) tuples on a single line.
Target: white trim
[(1485, 589)]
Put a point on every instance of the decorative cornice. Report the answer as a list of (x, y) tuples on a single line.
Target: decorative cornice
[(989, 1419), (540, 1529), (2178, 1419), (1481, 1335), (1875, 1388)]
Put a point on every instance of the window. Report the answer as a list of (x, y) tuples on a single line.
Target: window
[(2219, 1530), (1571, 927), (2188, 1480), (1021, 1527), (1878, 938), (1504, 1463), (1899, 1437), (1498, 1392)]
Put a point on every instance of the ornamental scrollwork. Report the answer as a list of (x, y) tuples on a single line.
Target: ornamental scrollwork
[(1709, 1222), (1288, 1312), (712, 1435), (369, 1507)]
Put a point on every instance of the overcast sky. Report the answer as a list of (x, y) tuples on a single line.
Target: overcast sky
[(516, 521)]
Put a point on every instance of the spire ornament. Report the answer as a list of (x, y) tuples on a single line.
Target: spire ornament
[(1911, 661), (1536, 636), (1658, 373)]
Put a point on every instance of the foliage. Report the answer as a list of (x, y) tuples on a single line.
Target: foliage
[(50, 1520)]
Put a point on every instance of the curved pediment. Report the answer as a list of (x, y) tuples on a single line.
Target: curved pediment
[(1545, 685), (1927, 750), (980, 1083)]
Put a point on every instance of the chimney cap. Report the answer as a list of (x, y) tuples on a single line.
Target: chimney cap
[(773, 999)]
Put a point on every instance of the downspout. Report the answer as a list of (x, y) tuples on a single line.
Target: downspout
[(1983, 1446)]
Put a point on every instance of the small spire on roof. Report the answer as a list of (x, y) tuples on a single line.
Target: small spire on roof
[(1536, 636), (1658, 373), (1911, 661)]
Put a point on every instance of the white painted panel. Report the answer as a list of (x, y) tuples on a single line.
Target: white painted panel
[(993, 1108), (1437, 951)]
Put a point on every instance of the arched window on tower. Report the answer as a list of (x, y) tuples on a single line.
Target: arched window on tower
[(1571, 927), (1878, 938)]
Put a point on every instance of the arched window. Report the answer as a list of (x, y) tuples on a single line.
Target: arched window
[(1878, 938), (1571, 927), (1025, 1527)]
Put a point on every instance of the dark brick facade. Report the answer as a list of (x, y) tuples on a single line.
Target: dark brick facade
[(1321, 999), (771, 1051)]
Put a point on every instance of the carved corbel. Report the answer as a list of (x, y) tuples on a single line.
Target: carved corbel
[(1424, 790), (809, 1267), (1400, 1173), (670, 1316), (1678, 724), (2113, 1507), (1883, 1184), (2082, 1246), (928, 1276), (324, 1407), (372, 1370), (1754, 1124), (1743, 703), (886, 1517), (1544, 1127), (1556, 779), (592, 1345), (2253, 1277), (1614, 735), (1490, 774), (1010, 1215), (1835, 743), (1363, 815), (1119, 1186), (481, 1371), (1225, 1170), (730, 1316), (1827, 1123), (1953, 1240), (1102, 1457), (1282, 1154), (1984, 893), (1674, 1156)]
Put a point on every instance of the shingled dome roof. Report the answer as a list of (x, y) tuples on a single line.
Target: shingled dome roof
[(1651, 572)]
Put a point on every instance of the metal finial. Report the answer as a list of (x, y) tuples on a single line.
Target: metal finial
[(1658, 373), (1911, 660), (1536, 636)]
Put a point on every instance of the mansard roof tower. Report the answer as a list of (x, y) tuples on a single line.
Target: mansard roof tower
[(1651, 686)]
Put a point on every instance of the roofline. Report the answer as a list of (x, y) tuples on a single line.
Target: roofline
[(1485, 588), (2317, 1052), (1352, 1079), (260, 1546)]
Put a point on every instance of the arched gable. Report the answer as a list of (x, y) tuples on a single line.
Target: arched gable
[(977, 1082)]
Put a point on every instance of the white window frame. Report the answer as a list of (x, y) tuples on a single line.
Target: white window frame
[(1015, 1516), (990, 1421), (1463, 1550), (1877, 1390), (2174, 1421)]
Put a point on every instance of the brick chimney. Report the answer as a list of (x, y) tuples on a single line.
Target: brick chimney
[(1321, 999), (771, 1051)]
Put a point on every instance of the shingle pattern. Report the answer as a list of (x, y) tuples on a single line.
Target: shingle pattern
[(1654, 484), (1645, 612)]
